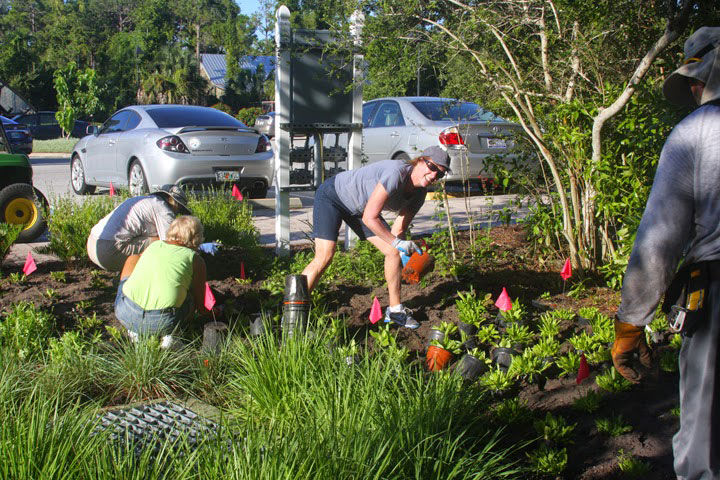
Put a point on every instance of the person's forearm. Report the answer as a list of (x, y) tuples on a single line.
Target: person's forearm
[(378, 228)]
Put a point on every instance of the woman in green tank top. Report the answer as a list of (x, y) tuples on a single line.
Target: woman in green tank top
[(165, 284)]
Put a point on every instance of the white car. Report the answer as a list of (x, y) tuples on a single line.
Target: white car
[(146, 146), (402, 127)]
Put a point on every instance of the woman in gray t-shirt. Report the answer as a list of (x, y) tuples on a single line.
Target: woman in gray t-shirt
[(358, 198)]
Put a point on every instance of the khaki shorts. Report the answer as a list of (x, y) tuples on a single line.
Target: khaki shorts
[(111, 255)]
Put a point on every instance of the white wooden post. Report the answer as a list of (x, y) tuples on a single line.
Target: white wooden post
[(282, 137)]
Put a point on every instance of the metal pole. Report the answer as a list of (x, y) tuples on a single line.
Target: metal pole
[(282, 115)]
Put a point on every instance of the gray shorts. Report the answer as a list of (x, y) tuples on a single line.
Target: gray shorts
[(111, 255)]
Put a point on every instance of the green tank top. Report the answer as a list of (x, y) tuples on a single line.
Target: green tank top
[(162, 276)]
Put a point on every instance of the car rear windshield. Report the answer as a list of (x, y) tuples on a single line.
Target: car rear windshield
[(439, 110), (177, 117)]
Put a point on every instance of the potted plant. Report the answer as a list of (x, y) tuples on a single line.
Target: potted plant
[(502, 354), (549, 325), (468, 341), (546, 348), (497, 381), (442, 331), (515, 315), (472, 364), (529, 367), (440, 353), (488, 334), (519, 335), (472, 311)]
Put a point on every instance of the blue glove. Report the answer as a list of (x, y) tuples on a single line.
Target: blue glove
[(404, 258), (209, 247), (406, 246)]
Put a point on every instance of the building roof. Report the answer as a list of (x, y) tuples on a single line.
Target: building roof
[(215, 67)]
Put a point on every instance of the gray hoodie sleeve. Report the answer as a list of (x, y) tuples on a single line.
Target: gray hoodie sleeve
[(665, 229)]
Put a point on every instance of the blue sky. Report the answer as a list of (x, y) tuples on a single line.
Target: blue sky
[(248, 6)]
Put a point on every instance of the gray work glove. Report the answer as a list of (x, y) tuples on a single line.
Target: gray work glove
[(406, 246)]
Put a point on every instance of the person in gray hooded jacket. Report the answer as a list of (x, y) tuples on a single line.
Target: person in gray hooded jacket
[(682, 222)]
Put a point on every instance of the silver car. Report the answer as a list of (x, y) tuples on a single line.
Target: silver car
[(265, 124), (402, 127), (146, 146)]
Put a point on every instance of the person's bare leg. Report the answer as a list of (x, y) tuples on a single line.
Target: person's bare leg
[(393, 268), (324, 251)]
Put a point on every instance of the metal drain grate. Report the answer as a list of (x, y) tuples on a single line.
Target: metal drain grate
[(150, 424)]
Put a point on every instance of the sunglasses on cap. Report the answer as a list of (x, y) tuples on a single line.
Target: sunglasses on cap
[(434, 168)]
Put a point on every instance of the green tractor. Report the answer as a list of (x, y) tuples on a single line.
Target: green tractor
[(20, 202)]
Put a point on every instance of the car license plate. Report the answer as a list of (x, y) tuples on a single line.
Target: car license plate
[(496, 143), (227, 175)]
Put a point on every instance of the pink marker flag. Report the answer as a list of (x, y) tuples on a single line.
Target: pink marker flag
[(29, 266), (503, 302), (112, 190), (209, 297), (375, 311), (236, 193), (566, 271), (242, 270), (583, 370)]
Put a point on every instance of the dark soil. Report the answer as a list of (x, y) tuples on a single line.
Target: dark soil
[(509, 264)]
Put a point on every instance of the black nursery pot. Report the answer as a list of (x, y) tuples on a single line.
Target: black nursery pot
[(502, 357), (435, 335), (467, 328), (582, 321), (470, 343), (469, 367)]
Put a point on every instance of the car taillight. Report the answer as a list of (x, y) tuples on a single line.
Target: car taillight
[(451, 137), (172, 143), (263, 145)]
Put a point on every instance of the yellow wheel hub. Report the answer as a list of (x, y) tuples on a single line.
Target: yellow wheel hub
[(21, 211)]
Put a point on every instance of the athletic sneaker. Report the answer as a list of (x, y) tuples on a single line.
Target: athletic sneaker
[(403, 318)]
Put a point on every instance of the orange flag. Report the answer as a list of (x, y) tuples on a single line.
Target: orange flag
[(503, 302), (209, 297), (236, 193), (583, 370), (29, 266), (112, 190), (566, 271), (375, 311)]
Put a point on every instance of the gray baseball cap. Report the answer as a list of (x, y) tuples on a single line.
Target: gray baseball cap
[(701, 63), (437, 155)]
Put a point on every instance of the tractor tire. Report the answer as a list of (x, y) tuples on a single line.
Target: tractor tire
[(22, 204)]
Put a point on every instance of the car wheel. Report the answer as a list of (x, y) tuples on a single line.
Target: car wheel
[(77, 177), (137, 183), (402, 156), (21, 204)]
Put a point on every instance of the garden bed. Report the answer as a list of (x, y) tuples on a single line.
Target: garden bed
[(75, 291)]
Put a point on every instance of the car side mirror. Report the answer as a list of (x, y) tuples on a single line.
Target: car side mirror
[(92, 130)]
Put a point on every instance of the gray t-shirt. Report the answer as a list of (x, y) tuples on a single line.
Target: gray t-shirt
[(135, 218), (354, 187), (682, 216)]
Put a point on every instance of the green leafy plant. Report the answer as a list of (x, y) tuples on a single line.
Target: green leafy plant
[(511, 411), (496, 380), (546, 347), (71, 221), (518, 334), (88, 323), (384, 337), (58, 276), (548, 461), (504, 343), (588, 403), (613, 425), (612, 381), (480, 355), (588, 313), (527, 365), (578, 290), (349, 350), (548, 325), (676, 341), (471, 309), (568, 363), (554, 430), (545, 296), (51, 293), (488, 334), (96, 279), (598, 357), (226, 220), (82, 305), (17, 278), (584, 342), (675, 412), (448, 328), (669, 360), (563, 314), (516, 313), (8, 235), (452, 346), (632, 466), (25, 331)]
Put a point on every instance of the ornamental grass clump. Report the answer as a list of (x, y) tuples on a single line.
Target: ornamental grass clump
[(224, 218), (71, 221), (8, 235)]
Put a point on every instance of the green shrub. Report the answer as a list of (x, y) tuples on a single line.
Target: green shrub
[(248, 115), (8, 235), (71, 221), (25, 330), (224, 218), (548, 461), (223, 107), (612, 381), (613, 425)]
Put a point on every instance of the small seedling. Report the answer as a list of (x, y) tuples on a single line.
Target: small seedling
[(675, 412), (612, 381), (471, 308), (96, 280), (519, 334), (631, 466), (676, 341), (447, 328), (480, 355), (512, 411), (578, 290), (243, 281), (515, 314), (548, 461), (384, 337), (488, 334), (554, 429), (568, 363), (504, 343), (496, 380), (549, 325), (58, 276), (452, 346), (17, 278), (51, 293), (83, 304), (584, 342), (598, 356), (614, 425), (545, 296), (114, 333), (88, 323), (588, 403), (588, 313), (349, 350), (546, 347), (527, 365)]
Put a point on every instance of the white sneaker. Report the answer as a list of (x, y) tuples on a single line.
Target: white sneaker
[(403, 318), (134, 337)]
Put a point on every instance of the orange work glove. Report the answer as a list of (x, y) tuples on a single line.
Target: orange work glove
[(628, 339)]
